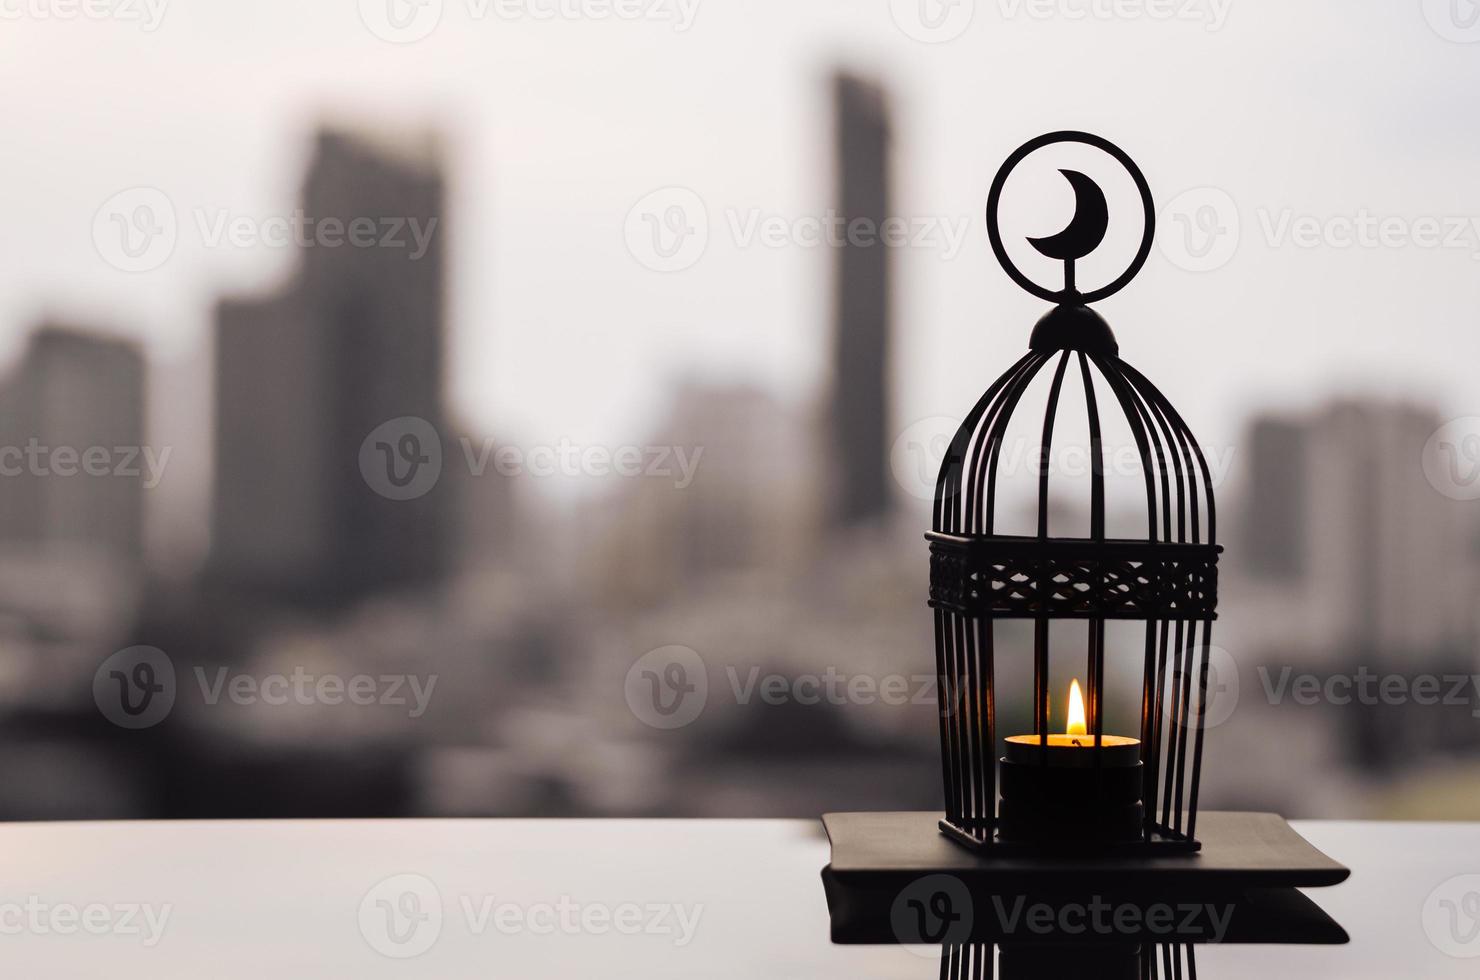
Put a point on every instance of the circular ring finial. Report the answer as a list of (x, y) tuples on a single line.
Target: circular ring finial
[(1085, 231)]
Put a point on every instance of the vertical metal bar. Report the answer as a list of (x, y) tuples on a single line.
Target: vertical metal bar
[(970, 722), (948, 482), (1197, 752), (986, 467), (1097, 458), (1175, 720), (943, 660), (987, 629), (1040, 686), (963, 736), (1148, 681), (1046, 449), (1186, 715)]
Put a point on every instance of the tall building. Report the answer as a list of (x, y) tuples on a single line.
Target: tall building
[(72, 473), (1277, 504), (304, 377), (737, 492), (1343, 531), (861, 307)]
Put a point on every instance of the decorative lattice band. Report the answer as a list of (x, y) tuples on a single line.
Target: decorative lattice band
[(1021, 577)]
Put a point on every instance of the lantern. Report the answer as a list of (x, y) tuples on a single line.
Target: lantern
[(1080, 786)]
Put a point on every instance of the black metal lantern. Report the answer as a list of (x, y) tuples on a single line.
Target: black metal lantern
[(1086, 788)]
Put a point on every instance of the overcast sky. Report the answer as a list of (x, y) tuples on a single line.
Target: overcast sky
[(1310, 120)]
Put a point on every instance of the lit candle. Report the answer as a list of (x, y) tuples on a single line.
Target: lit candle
[(1067, 793), (1075, 747)]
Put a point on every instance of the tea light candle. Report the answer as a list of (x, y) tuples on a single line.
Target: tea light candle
[(1065, 792), (1075, 747)]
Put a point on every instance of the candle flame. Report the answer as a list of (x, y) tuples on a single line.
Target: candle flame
[(1077, 724)]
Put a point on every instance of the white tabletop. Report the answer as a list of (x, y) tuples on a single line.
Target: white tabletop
[(528, 899)]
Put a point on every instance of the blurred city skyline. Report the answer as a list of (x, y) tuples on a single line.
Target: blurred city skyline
[(544, 169), (300, 293)]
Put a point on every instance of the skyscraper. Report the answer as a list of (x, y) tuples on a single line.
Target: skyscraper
[(304, 377), (72, 415), (1342, 529), (861, 306)]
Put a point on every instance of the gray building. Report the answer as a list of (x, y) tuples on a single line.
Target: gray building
[(72, 474), (861, 307), (304, 377)]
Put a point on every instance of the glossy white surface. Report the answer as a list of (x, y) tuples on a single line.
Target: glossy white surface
[(531, 899)]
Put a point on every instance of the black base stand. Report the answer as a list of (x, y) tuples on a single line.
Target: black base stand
[(1252, 860)]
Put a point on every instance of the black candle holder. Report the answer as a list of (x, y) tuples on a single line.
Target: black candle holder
[(1079, 812), (1085, 794)]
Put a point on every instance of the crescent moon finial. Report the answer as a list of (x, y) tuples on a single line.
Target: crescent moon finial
[(1085, 231)]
